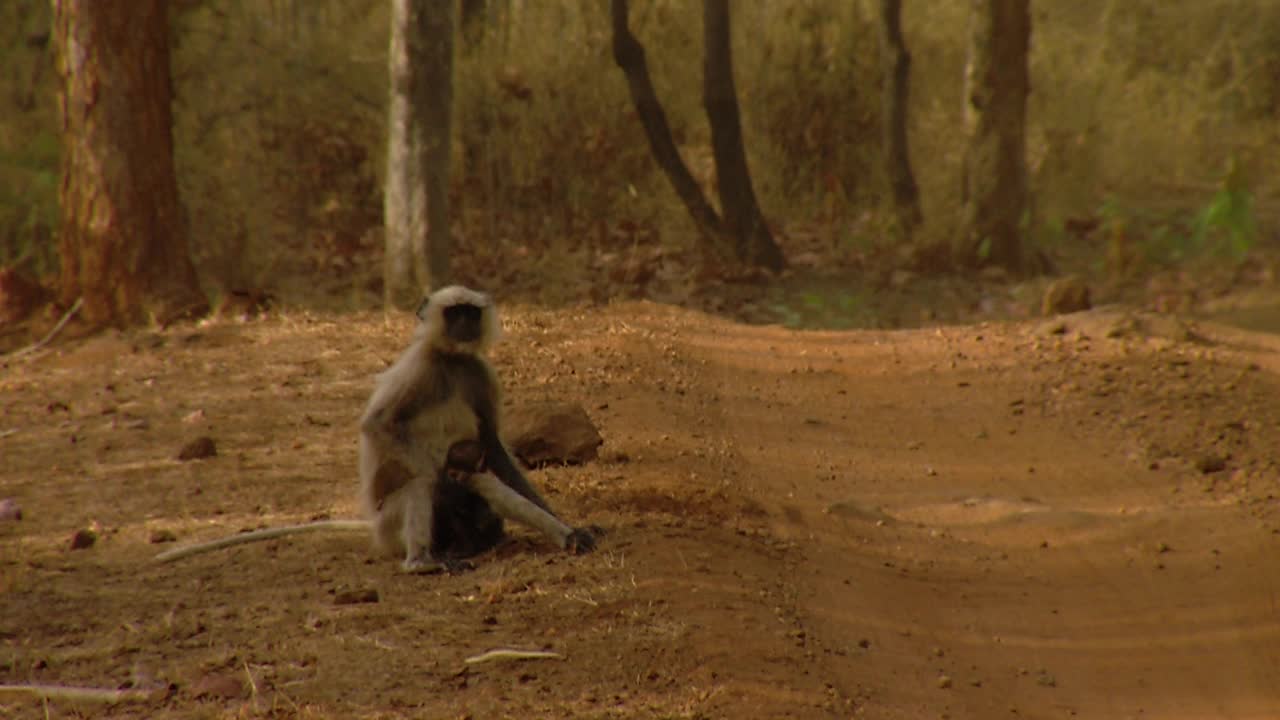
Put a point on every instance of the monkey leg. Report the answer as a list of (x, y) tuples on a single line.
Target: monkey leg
[(514, 506), (418, 516)]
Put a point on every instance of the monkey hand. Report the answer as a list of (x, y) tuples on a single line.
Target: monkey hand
[(580, 541)]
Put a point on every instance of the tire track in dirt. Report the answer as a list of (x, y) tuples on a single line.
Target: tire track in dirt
[(977, 537)]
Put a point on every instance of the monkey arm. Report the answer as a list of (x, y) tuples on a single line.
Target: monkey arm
[(499, 462), (497, 459)]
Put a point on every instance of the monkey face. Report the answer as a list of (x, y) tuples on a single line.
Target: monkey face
[(464, 322)]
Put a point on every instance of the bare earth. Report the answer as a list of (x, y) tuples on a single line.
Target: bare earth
[(975, 522)]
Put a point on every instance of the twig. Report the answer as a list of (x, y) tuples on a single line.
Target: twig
[(258, 536), (253, 686), (512, 654), (63, 692), (75, 307)]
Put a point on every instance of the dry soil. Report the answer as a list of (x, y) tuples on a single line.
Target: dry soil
[(1053, 519)]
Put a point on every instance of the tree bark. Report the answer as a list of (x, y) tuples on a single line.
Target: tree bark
[(738, 203), (896, 64), (997, 83), (628, 53), (123, 244), (416, 195)]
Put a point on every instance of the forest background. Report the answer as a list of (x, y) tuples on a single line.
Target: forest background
[(1149, 153)]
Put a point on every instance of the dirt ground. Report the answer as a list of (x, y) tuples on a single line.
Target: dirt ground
[(1052, 519)]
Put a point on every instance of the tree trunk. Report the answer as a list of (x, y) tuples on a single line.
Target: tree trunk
[(416, 196), (123, 242), (742, 216), (995, 176), (896, 64), (628, 53)]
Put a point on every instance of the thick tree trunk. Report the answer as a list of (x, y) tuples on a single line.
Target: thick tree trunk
[(628, 53), (742, 215), (896, 64), (995, 176), (123, 239), (416, 195)]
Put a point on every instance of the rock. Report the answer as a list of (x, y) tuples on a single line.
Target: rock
[(356, 597), (1211, 463), (198, 449), (850, 510), (223, 687), (552, 433), (163, 536), (9, 510), (84, 538), (1065, 295)]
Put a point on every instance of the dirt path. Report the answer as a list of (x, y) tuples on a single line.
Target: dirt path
[(973, 522)]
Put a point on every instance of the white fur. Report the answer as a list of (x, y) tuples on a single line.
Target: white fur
[(431, 325)]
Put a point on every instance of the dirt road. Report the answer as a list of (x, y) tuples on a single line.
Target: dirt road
[(1042, 520)]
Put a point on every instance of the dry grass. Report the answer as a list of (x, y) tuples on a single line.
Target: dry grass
[(1142, 102)]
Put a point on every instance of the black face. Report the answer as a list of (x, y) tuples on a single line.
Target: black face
[(464, 322)]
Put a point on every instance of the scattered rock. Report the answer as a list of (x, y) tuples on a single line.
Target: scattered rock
[(223, 687), (944, 681), (193, 417), (1065, 295), (1211, 463), (553, 433), (9, 510), (851, 510), (84, 538), (1051, 327), (1046, 680), (198, 449), (356, 597), (163, 536)]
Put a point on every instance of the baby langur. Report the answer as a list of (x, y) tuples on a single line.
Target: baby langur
[(441, 394)]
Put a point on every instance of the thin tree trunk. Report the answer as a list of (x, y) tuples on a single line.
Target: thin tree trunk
[(123, 241), (738, 203), (995, 175), (896, 64), (416, 195), (628, 53)]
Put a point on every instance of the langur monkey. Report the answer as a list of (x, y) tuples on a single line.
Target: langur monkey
[(434, 410)]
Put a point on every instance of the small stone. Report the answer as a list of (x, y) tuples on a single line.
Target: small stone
[(163, 536), (1066, 295), (944, 681), (198, 449), (224, 687), (84, 538), (356, 597), (9, 510), (1211, 464)]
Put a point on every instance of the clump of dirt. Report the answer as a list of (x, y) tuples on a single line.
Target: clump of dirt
[(799, 524)]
